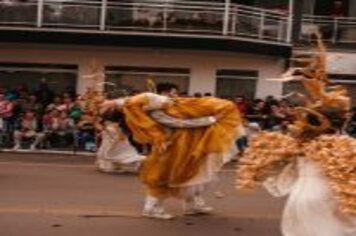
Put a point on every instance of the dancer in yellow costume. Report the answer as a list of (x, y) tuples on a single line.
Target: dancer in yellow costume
[(191, 139)]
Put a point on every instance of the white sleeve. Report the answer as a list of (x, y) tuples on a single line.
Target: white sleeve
[(280, 185), (173, 122), (156, 101), (120, 102)]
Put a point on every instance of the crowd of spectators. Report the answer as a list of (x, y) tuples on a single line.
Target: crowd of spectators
[(44, 119), (275, 115), (268, 114)]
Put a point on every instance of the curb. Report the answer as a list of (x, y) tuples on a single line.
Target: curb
[(68, 153)]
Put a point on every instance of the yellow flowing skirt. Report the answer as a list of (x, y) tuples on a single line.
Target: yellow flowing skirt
[(188, 148)]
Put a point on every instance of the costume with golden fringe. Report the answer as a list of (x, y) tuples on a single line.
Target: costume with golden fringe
[(313, 163), (187, 149), (182, 157)]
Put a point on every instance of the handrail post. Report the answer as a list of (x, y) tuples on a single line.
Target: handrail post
[(290, 21), (39, 21), (226, 17), (280, 30), (261, 29), (234, 19), (165, 17), (335, 30), (104, 4)]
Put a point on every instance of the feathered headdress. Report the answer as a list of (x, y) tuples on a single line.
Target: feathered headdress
[(322, 99)]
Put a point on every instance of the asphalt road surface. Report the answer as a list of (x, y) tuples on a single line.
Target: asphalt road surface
[(57, 195)]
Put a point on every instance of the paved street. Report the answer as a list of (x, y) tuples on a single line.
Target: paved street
[(56, 195)]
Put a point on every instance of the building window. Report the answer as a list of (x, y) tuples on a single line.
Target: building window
[(60, 78), (231, 83), (131, 79)]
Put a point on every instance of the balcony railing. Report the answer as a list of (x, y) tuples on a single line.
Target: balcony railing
[(335, 30), (149, 17)]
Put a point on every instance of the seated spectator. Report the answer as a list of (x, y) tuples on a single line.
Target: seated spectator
[(286, 106), (19, 93), (57, 102), (66, 104), (86, 132), (271, 100), (258, 113), (67, 95), (241, 105), (349, 126), (6, 114), (11, 95), (198, 95), (32, 105), (275, 118), (28, 128), (58, 128), (75, 112), (65, 124), (288, 110)]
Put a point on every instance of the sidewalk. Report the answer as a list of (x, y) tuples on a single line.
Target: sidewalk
[(47, 156)]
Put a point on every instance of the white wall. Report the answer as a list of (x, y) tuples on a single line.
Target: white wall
[(202, 79), (267, 87), (341, 62), (202, 65)]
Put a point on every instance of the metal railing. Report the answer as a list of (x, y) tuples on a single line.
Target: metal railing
[(159, 17), (335, 30)]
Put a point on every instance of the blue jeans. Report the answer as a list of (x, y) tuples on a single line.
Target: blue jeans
[(86, 137), (241, 143)]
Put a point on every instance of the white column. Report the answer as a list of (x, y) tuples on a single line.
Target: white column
[(268, 71), (202, 80), (262, 25), (83, 82), (290, 21)]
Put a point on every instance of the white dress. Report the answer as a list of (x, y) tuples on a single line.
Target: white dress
[(117, 154), (311, 209)]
